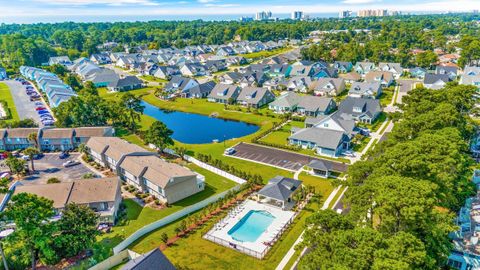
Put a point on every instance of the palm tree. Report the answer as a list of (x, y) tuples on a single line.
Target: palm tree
[(33, 137), (31, 152)]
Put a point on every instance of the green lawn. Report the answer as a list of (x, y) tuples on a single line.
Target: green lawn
[(387, 96), (281, 136), (265, 54), (195, 252), (358, 147), (137, 217), (322, 185), (6, 96), (151, 78)]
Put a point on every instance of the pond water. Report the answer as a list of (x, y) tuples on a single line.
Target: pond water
[(194, 128)]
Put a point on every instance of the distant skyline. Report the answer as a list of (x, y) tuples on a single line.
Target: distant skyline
[(61, 10)]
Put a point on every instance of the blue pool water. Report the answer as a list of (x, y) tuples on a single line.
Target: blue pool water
[(199, 129), (251, 226)]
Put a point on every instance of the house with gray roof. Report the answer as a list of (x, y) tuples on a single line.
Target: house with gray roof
[(395, 68), (224, 93), (385, 78), (363, 68), (166, 72), (418, 72), (343, 67), (371, 90), (324, 141), (253, 79), (471, 76), (101, 58), (255, 97), (102, 77), (320, 168), (125, 84), (199, 91), (452, 72), (364, 110), (313, 106), (299, 84), (301, 70), (330, 87), (279, 192), (435, 81), (153, 260), (286, 103), (60, 60), (180, 84), (230, 77)]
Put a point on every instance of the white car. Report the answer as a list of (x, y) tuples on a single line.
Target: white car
[(25, 157), (70, 163), (230, 151)]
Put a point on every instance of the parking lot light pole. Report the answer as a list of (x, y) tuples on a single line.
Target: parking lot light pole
[(4, 234)]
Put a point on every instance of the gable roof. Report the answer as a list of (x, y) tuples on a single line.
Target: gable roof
[(369, 106), (223, 91), (322, 137), (365, 88), (314, 103), (433, 78), (202, 89), (127, 81), (375, 76), (288, 99), (253, 95)]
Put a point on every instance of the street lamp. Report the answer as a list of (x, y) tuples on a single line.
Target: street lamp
[(4, 234)]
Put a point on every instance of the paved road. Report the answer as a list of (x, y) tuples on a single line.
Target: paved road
[(405, 87), (279, 158), (25, 108)]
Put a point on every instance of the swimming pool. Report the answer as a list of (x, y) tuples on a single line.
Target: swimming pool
[(251, 226)]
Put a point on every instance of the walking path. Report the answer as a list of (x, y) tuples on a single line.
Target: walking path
[(291, 251)]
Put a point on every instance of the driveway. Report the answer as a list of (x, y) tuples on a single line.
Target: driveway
[(280, 158), (51, 166), (405, 87), (25, 107)]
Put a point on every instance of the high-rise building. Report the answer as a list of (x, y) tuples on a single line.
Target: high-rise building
[(297, 15), (345, 14), (372, 13), (263, 16)]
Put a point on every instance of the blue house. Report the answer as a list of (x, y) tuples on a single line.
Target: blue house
[(418, 72), (343, 67)]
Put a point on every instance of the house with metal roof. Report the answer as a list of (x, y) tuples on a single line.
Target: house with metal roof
[(279, 192)]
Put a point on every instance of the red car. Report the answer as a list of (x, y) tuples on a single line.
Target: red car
[(40, 108)]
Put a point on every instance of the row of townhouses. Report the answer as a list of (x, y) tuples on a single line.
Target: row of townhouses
[(169, 182), (54, 88), (49, 139)]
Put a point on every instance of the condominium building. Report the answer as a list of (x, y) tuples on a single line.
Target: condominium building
[(345, 14), (297, 15), (372, 13)]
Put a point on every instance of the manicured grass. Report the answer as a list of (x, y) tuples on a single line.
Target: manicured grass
[(137, 217), (385, 127), (322, 185), (265, 54), (377, 124), (387, 95), (335, 198), (6, 96), (281, 136), (151, 78), (360, 146), (195, 252)]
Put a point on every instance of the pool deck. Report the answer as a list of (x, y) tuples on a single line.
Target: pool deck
[(219, 233)]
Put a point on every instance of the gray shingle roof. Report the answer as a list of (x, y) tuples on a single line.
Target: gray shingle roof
[(323, 138), (320, 165), (280, 188), (153, 260), (370, 106), (313, 103), (433, 78)]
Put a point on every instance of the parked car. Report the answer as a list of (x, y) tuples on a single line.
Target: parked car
[(48, 123), (70, 163), (3, 155), (230, 151), (40, 108), (39, 103), (34, 98), (5, 175), (64, 155), (43, 112), (25, 157)]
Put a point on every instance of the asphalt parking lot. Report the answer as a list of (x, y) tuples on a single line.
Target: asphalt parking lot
[(279, 158), (51, 166), (25, 107)]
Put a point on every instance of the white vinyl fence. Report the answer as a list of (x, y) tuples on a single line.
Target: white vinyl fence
[(115, 260), (168, 219), (215, 170)]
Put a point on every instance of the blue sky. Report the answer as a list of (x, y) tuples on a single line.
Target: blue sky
[(11, 9)]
